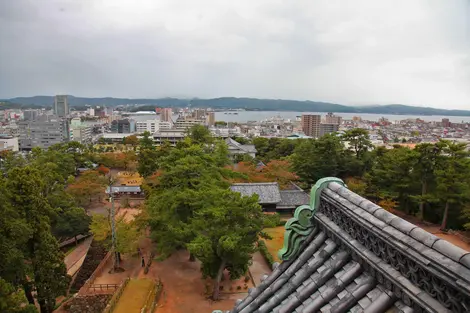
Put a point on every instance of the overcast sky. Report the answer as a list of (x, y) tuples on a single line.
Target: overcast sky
[(351, 52)]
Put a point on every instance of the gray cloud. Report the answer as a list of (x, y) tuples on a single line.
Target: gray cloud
[(353, 52)]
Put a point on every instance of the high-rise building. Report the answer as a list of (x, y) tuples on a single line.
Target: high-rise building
[(210, 119), (61, 106), (166, 115), (125, 126), (311, 125), (328, 128), (82, 134), (199, 114), (43, 132), (30, 115), (445, 122), (330, 118)]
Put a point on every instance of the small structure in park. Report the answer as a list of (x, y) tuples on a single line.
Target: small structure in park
[(125, 191), (343, 253), (271, 198), (235, 147)]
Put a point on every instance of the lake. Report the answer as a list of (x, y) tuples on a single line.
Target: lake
[(245, 116)]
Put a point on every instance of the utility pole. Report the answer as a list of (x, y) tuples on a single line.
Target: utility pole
[(113, 229)]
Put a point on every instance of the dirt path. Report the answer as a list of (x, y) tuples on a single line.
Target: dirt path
[(259, 268), (184, 288), (134, 296), (75, 259)]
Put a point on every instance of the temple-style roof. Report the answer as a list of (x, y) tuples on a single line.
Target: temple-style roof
[(293, 198), (267, 192), (343, 253), (234, 145)]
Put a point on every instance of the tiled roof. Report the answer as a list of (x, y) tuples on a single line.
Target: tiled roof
[(293, 198), (360, 258), (238, 146), (267, 192), (124, 189)]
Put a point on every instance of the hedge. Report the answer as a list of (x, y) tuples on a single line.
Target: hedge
[(263, 249)]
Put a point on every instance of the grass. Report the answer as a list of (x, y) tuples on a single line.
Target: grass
[(274, 245), (134, 296)]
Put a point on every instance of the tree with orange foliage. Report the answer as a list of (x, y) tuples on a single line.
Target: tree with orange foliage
[(274, 171), (103, 170), (88, 185), (278, 171)]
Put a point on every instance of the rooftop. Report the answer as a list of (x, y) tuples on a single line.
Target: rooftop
[(343, 253), (267, 192)]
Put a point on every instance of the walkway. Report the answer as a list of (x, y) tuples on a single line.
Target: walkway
[(134, 296), (259, 267), (75, 259)]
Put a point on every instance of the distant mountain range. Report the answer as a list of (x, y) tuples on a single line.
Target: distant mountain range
[(235, 103)]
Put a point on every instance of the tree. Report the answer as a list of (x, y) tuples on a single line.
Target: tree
[(147, 157), (13, 300), (391, 176), (199, 134), (315, 159), (358, 142), (50, 273), (427, 156), (278, 171), (452, 177), (88, 185), (127, 233), (131, 140), (71, 223), (43, 267), (103, 170), (218, 244)]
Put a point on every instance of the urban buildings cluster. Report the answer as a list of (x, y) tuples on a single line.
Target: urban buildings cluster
[(25, 129)]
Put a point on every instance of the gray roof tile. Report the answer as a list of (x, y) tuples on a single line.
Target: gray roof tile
[(324, 278), (267, 192), (293, 198)]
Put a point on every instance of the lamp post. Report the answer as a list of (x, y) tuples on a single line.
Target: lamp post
[(113, 229)]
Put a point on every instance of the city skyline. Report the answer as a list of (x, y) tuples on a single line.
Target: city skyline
[(368, 52)]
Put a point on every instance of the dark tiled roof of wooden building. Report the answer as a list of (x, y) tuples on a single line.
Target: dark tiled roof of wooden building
[(346, 254)]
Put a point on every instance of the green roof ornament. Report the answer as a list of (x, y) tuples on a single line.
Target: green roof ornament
[(300, 226)]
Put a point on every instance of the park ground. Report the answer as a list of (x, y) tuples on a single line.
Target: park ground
[(184, 288)]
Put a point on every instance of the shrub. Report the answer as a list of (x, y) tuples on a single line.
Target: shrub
[(239, 287), (265, 253)]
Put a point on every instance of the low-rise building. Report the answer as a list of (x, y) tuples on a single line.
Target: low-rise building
[(173, 136), (184, 123), (8, 142), (271, 198), (235, 147), (151, 126)]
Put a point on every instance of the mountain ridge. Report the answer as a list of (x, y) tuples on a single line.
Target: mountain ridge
[(241, 103)]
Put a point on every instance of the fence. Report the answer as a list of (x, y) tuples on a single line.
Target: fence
[(96, 272), (117, 295), (152, 298), (103, 287)]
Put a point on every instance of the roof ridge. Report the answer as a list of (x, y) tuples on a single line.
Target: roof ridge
[(248, 184), (406, 228)]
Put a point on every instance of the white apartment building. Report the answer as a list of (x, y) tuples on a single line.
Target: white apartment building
[(151, 126)]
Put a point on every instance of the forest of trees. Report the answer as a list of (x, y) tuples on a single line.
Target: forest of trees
[(36, 212), (431, 181)]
